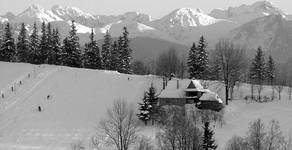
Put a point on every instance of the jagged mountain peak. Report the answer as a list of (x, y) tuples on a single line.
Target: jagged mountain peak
[(245, 13), (186, 17), (70, 12), (36, 13)]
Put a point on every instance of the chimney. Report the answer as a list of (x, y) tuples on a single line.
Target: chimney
[(177, 84), (163, 84)]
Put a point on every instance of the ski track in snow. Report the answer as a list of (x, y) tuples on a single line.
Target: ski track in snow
[(17, 98)]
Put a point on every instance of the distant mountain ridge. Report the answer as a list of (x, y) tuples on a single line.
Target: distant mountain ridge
[(182, 26)]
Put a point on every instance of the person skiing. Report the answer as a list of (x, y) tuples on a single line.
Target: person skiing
[(2, 94)]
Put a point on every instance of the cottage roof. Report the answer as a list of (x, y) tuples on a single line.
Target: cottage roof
[(176, 88)]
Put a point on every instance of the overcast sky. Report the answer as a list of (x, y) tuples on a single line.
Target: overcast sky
[(155, 8)]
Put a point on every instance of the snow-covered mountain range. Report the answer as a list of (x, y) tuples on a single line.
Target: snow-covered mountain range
[(182, 26)]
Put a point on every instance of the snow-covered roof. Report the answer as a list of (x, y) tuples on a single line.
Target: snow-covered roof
[(171, 90)]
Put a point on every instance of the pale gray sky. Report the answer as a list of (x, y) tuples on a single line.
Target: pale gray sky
[(155, 8)]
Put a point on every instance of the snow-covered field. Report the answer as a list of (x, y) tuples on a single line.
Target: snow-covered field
[(80, 97)]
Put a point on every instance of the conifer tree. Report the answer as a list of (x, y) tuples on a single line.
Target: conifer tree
[(271, 73), (115, 57), (106, 51), (91, 56), (50, 52), (34, 43), (56, 47), (208, 140), (198, 60), (22, 45), (192, 64), (125, 53), (258, 70), (152, 98), (73, 48), (7, 51), (145, 109), (43, 48), (63, 54)]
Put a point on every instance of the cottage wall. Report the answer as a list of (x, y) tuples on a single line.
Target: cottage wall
[(172, 101)]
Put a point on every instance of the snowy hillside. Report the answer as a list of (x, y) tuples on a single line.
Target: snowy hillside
[(78, 99)]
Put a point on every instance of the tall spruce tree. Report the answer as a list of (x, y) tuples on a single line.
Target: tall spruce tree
[(73, 49), (152, 98), (50, 52), (208, 140), (91, 56), (63, 54), (34, 43), (43, 48), (192, 64), (125, 53), (7, 51), (198, 60), (271, 73), (145, 109), (258, 70), (56, 47), (115, 57), (106, 51), (22, 45)]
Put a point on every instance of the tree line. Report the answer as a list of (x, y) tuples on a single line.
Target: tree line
[(47, 48)]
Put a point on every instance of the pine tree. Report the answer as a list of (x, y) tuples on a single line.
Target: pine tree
[(106, 51), (192, 64), (63, 54), (91, 56), (43, 48), (50, 52), (56, 47), (152, 98), (271, 72), (34, 43), (73, 48), (198, 60), (8, 51), (145, 109), (125, 53), (258, 70), (115, 57), (22, 45), (208, 141)]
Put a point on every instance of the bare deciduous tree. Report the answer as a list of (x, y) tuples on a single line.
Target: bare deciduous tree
[(231, 60), (256, 135), (281, 80), (179, 132), (77, 146), (274, 140), (168, 62), (119, 126)]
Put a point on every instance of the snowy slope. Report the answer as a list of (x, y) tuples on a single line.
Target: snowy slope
[(246, 13), (79, 98), (35, 13)]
